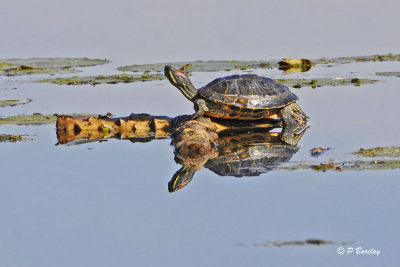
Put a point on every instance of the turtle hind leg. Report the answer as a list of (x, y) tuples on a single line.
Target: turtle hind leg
[(200, 106), (291, 135), (287, 117), (299, 114), (293, 115)]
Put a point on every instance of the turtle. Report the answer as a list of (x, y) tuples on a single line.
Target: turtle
[(240, 97)]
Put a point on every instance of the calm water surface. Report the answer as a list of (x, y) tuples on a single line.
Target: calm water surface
[(107, 204)]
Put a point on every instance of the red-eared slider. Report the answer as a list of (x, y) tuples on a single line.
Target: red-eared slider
[(240, 97)]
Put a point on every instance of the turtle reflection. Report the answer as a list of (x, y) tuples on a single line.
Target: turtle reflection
[(237, 154), (226, 147)]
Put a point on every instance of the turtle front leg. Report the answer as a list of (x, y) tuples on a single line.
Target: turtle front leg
[(200, 107)]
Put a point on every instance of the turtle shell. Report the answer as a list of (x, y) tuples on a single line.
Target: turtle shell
[(248, 91), (252, 160)]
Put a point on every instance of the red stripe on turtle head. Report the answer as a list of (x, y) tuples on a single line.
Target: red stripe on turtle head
[(183, 184), (180, 73)]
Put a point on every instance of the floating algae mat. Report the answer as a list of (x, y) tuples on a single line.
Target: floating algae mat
[(37, 119), (379, 152), (13, 102), (150, 72), (354, 165), (105, 79), (389, 74), (316, 242), (319, 82), (372, 58), (210, 66), (201, 66), (10, 138), (45, 65), (127, 78)]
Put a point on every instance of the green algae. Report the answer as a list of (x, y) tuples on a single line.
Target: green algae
[(105, 79), (379, 152), (201, 66), (228, 65), (4, 64), (17, 66), (13, 102), (319, 82), (306, 242), (389, 74), (127, 78), (10, 138), (371, 58), (354, 165), (37, 119), (26, 70)]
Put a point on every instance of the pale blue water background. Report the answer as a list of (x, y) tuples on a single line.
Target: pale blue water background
[(107, 204)]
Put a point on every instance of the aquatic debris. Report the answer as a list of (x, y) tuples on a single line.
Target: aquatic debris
[(295, 65), (16, 66), (388, 74), (10, 138), (35, 119), (319, 82), (139, 127), (105, 79), (356, 81), (317, 151), (13, 102), (379, 152), (306, 242)]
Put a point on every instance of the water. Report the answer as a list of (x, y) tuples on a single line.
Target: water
[(107, 204), (157, 31)]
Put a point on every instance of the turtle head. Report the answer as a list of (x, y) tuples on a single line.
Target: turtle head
[(181, 178), (180, 81)]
